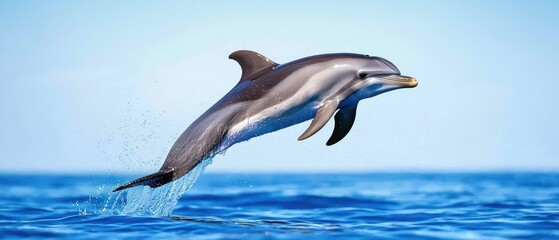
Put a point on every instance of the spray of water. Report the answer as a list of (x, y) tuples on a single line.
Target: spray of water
[(161, 201), (143, 201)]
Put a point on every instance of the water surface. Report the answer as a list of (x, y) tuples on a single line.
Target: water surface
[(291, 206)]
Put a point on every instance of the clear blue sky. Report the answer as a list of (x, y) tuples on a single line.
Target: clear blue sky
[(109, 85)]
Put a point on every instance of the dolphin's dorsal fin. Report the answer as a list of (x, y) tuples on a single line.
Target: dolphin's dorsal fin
[(345, 118), (253, 64)]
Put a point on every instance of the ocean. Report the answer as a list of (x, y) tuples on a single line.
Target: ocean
[(287, 206)]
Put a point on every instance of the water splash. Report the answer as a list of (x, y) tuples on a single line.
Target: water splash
[(161, 201), (143, 200)]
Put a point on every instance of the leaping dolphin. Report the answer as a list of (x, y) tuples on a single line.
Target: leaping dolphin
[(272, 96)]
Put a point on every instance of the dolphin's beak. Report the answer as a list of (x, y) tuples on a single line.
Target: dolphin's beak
[(401, 81)]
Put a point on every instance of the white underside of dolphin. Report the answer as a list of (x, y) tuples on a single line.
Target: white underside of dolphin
[(270, 97)]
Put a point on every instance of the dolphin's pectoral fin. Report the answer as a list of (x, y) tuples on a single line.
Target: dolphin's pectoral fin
[(323, 114), (345, 118), (253, 64)]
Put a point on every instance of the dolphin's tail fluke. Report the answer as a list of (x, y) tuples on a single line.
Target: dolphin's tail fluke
[(153, 180)]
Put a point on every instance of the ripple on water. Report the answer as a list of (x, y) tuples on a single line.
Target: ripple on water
[(297, 206)]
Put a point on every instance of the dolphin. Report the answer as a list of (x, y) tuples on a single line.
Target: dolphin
[(271, 96)]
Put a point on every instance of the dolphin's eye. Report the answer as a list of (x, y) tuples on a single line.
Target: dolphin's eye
[(362, 75)]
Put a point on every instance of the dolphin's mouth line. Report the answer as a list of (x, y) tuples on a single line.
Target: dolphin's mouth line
[(404, 81)]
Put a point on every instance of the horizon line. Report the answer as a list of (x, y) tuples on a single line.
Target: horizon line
[(252, 172)]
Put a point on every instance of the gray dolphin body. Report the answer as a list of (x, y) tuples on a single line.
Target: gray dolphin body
[(270, 97)]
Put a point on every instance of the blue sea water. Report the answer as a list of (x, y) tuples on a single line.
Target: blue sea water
[(290, 206)]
